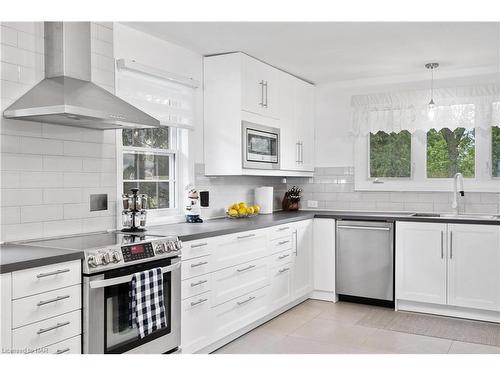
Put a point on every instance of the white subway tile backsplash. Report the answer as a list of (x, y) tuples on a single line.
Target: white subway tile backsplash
[(92, 150), (10, 180), (96, 224), (58, 196), (100, 165), (21, 128), (62, 227), (62, 163), (13, 162), (35, 28), (40, 180), (22, 57), (10, 215), (21, 197), (13, 90), (30, 42), (41, 146), (41, 213), (9, 36), (10, 143), (81, 179), (10, 72), (17, 232), (62, 132)]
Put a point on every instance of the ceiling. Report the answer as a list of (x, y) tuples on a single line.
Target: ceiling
[(337, 51)]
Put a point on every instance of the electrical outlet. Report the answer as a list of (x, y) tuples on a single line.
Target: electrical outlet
[(312, 204)]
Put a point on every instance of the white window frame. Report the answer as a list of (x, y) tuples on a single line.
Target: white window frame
[(482, 182), (179, 164)]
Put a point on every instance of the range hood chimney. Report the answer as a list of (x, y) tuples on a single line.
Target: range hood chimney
[(66, 96)]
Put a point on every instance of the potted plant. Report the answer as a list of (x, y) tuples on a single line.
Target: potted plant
[(291, 199)]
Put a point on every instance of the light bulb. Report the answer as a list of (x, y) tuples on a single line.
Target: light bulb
[(432, 110)]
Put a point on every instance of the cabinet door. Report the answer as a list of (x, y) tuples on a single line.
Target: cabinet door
[(260, 87), (474, 266), (421, 262), (304, 123), (302, 260), (289, 144), (196, 329), (324, 255), (281, 283)]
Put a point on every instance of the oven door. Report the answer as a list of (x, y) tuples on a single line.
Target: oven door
[(261, 146), (106, 311)]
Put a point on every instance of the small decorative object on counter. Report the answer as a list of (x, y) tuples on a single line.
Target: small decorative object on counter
[(240, 210), (193, 210), (134, 211), (291, 199)]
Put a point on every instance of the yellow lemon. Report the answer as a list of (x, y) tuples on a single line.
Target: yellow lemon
[(235, 206), (233, 212), (242, 211), (250, 210), (242, 204), (256, 209)]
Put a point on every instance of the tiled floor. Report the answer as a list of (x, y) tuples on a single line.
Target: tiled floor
[(317, 327)]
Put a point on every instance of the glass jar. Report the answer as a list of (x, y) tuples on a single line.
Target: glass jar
[(144, 201), (142, 222), (125, 200), (126, 219)]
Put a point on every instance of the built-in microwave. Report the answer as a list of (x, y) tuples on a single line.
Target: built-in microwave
[(261, 146)]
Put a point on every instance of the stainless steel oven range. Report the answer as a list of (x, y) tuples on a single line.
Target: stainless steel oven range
[(111, 258)]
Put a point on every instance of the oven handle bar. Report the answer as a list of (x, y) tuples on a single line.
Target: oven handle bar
[(125, 279)]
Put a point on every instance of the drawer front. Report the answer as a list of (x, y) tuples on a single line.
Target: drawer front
[(239, 248), (281, 244), (280, 259), (236, 281), (280, 231), (43, 279), (196, 249), (237, 313), (47, 332), (196, 285), (195, 267), (42, 306), (196, 327), (69, 346)]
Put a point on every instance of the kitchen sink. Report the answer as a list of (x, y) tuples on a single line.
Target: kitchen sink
[(458, 216)]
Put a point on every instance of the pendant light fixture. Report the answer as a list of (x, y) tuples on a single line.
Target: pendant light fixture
[(432, 105)]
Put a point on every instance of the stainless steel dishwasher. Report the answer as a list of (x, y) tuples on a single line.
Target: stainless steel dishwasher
[(365, 261)]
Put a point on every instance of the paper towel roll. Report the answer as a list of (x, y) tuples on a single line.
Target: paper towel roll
[(264, 198)]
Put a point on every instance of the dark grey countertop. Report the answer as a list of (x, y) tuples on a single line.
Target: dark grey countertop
[(20, 257), (221, 226)]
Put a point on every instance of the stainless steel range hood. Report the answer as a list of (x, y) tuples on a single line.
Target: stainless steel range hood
[(67, 96)]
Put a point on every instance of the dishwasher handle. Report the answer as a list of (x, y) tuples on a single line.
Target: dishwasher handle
[(386, 229)]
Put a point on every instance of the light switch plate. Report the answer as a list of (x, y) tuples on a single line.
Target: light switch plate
[(312, 204)]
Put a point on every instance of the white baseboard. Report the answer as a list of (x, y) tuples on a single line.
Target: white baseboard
[(323, 295), (445, 310)]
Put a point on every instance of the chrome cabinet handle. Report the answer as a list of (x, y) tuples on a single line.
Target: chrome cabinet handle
[(283, 228), (201, 300), (265, 85), (245, 301), (283, 242), (246, 236), (451, 245), (283, 270), (301, 152), (198, 264), (283, 256), (297, 152), (261, 103), (199, 282), (296, 244), (58, 325), (61, 351), (58, 298), (246, 268), (442, 245), (198, 245), (53, 273), (363, 228)]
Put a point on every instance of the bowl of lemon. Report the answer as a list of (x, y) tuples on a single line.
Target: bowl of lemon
[(241, 210)]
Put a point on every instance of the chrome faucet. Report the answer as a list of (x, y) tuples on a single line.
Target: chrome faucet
[(458, 179)]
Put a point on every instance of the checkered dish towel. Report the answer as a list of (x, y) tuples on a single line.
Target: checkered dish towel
[(146, 308)]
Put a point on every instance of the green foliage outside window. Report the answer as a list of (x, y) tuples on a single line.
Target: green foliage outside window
[(390, 154), (495, 151), (449, 152)]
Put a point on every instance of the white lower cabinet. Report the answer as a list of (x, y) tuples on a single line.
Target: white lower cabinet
[(69, 346), (449, 269), (235, 314), (251, 275), (196, 323), (474, 266), (280, 292)]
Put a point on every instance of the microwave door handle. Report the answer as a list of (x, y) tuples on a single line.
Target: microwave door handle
[(126, 279)]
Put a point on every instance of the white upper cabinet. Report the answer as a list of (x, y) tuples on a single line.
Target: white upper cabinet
[(239, 88), (297, 124), (421, 262), (474, 266), (260, 83)]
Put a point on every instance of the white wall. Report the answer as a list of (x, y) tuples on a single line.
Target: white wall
[(47, 171)]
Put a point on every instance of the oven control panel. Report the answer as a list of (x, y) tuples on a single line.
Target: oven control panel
[(136, 252), (117, 256)]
